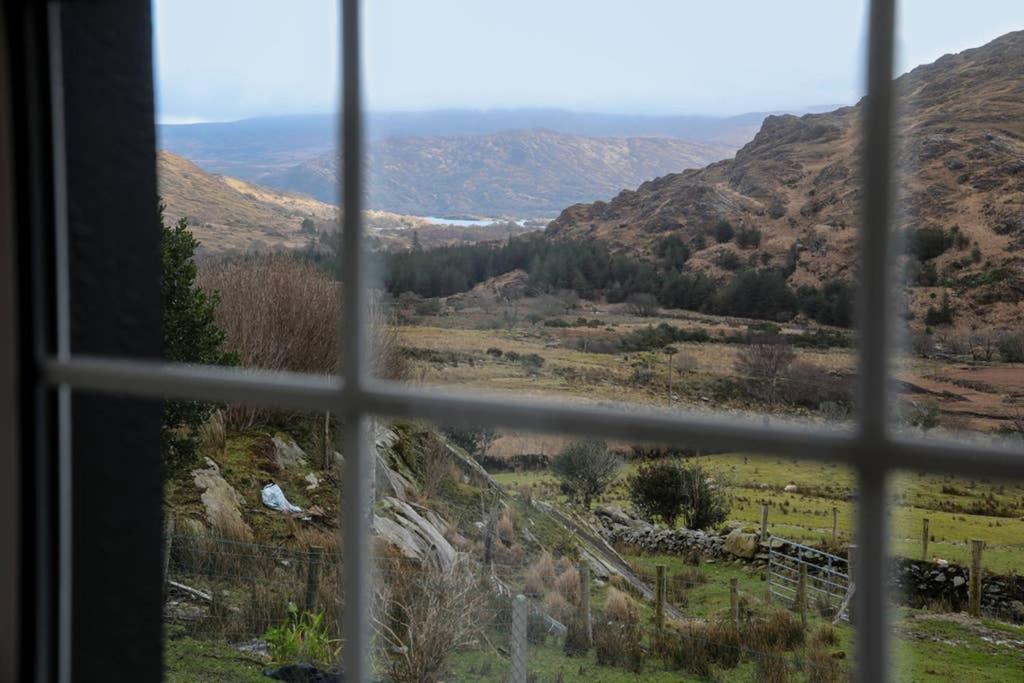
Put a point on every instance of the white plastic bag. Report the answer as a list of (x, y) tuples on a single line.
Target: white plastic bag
[(273, 497)]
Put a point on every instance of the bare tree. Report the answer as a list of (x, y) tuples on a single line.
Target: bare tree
[(764, 362), (642, 304), (984, 344)]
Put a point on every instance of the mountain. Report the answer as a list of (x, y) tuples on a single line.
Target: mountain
[(228, 215), (961, 192), (537, 148), (512, 173)]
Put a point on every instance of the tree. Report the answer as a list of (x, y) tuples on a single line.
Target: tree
[(474, 440), (724, 231), (190, 335), (586, 468), (642, 304), (763, 362), (667, 490)]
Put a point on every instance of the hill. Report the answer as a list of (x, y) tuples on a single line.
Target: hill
[(524, 173), (961, 193), (231, 215)]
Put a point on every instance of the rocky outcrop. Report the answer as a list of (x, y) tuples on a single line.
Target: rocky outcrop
[(222, 502)]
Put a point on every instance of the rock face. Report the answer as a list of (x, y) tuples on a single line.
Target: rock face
[(222, 502), (288, 455), (798, 181)]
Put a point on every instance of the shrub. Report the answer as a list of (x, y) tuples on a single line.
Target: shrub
[(474, 440), (506, 528), (568, 585), (771, 667), (668, 490), (531, 362), (940, 316), (689, 650), (618, 644), (808, 385), (748, 237), (620, 607), (558, 607), (642, 304), (925, 414), (586, 468), (421, 616), (820, 666), (763, 364), (729, 260), (723, 231), (927, 243), (780, 630), (1011, 348), (304, 638)]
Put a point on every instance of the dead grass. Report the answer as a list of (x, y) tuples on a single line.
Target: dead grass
[(620, 607), (568, 585)]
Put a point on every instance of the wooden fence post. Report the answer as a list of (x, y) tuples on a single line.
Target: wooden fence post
[(764, 522), (924, 540), (519, 614), (168, 539), (588, 625), (801, 595), (313, 578), (734, 600), (659, 599), (835, 526), (974, 584)]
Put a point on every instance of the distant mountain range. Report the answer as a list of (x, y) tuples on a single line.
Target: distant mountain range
[(521, 163), (798, 182)]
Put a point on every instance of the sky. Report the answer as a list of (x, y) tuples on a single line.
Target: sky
[(222, 60)]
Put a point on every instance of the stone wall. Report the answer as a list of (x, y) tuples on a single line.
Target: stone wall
[(916, 583)]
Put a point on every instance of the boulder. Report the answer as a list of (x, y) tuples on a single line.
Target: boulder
[(790, 488), (222, 502), (742, 544), (288, 454)]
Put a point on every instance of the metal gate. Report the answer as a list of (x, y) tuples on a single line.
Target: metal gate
[(826, 577)]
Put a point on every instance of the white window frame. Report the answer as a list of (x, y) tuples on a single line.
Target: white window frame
[(871, 448)]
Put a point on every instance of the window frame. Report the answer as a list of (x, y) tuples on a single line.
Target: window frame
[(870, 448)]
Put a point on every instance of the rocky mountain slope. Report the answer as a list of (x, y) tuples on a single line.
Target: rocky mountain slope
[(231, 215), (961, 175), (522, 173)]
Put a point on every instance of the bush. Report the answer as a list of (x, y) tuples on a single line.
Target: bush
[(474, 440), (642, 304), (927, 243), (763, 363), (586, 468), (568, 585), (618, 644), (668, 490), (810, 386), (748, 237), (729, 260), (780, 630), (723, 231), (924, 415), (620, 607), (648, 338), (421, 616), (304, 638), (1011, 348), (940, 316)]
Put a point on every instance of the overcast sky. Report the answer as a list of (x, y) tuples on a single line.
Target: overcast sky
[(220, 60)]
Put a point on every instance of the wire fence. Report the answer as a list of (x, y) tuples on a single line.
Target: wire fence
[(237, 591)]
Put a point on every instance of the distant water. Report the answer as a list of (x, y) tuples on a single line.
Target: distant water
[(467, 223)]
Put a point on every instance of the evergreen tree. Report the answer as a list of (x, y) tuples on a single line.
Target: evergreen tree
[(190, 335)]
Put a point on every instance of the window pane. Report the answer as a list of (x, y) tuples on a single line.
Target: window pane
[(236, 119), (942, 523), (254, 573), (455, 543), (727, 286), (959, 221)]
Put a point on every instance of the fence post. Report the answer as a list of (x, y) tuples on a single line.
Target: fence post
[(974, 602), (518, 640), (734, 600), (168, 538), (313, 578), (588, 626), (924, 540), (764, 522), (801, 595), (835, 526), (327, 441), (659, 599)]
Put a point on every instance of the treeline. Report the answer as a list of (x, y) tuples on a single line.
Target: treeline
[(591, 270)]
